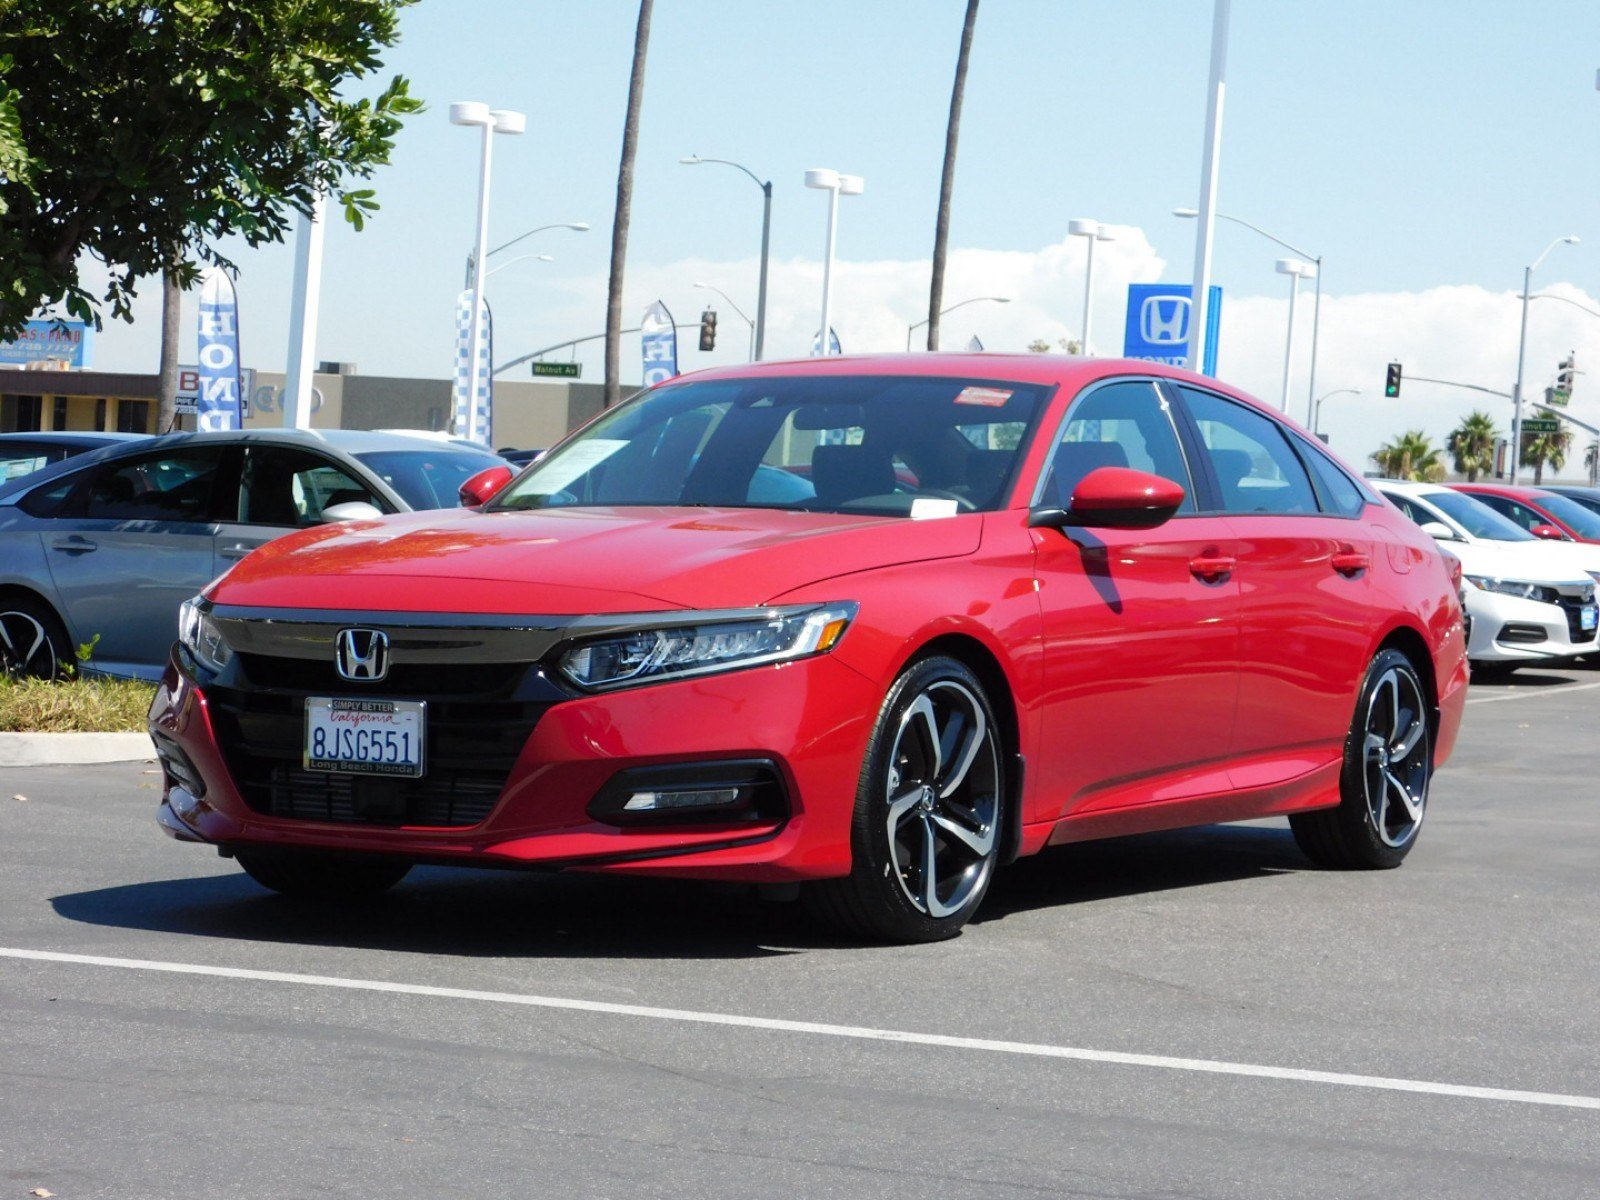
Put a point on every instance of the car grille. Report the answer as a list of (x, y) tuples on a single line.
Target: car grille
[(473, 740), (1573, 607)]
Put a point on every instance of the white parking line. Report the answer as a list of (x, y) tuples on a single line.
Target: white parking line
[(1529, 693), (815, 1028)]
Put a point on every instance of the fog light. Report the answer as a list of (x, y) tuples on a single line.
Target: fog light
[(662, 801)]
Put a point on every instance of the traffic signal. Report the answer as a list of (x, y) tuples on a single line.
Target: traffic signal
[(1391, 381), (1567, 373), (708, 329)]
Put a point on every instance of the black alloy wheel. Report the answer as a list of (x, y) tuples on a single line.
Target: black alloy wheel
[(33, 643)]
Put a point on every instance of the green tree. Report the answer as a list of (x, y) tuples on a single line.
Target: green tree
[(143, 132), (1412, 455), (1471, 444), (947, 181), (624, 211), (1540, 450)]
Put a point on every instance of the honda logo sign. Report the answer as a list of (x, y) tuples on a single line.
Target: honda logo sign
[(362, 655), (1161, 320), (1164, 320)]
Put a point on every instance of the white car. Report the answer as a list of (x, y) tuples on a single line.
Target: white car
[(1526, 600)]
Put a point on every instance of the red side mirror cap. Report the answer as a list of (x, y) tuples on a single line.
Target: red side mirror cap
[(1548, 532), (1120, 497), (485, 486)]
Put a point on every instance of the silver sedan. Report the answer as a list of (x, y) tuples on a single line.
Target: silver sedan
[(103, 548)]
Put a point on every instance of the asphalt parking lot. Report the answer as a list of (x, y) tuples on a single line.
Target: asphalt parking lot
[(492, 1034)]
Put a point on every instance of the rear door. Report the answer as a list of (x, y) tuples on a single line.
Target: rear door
[(281, 489), (133, 544), (1141, 626), (1307, 605)]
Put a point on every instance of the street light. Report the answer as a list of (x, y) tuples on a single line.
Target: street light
[(738, 310), (1296, 271), (766, 237), (575, 226), (835, 185), (491, 121), (1522, 353), (1316, 407), (514, 261), (952, 308), (1093, 232), (1316, 306)]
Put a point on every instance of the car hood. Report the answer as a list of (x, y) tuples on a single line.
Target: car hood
[(580, 560), (1544, 562)]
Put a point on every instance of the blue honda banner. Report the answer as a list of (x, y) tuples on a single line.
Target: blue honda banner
[(218, 405), (658, 342), (1158, 324), (833, 342), (473, 391)]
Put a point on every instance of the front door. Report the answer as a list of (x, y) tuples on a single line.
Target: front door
[(1141, 626)]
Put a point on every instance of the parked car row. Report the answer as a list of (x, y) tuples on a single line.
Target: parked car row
[(107, 544), (1530, 561)]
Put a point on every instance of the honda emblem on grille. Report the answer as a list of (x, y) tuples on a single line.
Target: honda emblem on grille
[(362, 655)]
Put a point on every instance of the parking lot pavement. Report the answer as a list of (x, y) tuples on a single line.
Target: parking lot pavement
[(1474, 965)]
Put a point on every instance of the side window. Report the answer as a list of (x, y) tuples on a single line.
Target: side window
[(290, 488), (171, 486), (1119, 425), (1419, 516), (1340, 491), (51, 499), (1507, 507), (1256, 468)]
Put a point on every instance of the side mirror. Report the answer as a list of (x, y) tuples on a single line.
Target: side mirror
[(1548, 532), (1116, 498), (1439, 531), (485, 486), (350, 510)]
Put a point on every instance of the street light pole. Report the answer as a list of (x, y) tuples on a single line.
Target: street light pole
[(834, 184), (766, 241), (514, 261), (960, 304), (1316, 405), (491, 122), (1295, 270), (1216, 89), (1522, 354), (1092, 232), (575, 226)]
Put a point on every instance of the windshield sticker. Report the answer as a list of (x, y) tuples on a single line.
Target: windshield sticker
[(987, 397), (575, 461), (924, 507)]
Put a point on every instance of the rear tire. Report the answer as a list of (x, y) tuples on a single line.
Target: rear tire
[(33, 641), (322, 877), (1383, 786), (925, 836)]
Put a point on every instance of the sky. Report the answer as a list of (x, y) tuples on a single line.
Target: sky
[(1427, 150)]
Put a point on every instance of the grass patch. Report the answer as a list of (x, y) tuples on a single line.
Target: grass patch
[(92, 705)]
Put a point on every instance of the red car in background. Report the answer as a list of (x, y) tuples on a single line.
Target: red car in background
[(1019, 601), (1546, 514)]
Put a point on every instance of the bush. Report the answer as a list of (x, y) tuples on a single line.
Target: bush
[(85, 705)]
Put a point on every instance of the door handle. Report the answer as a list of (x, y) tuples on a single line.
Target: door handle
[(1212, 568), (238, 550), (73, 545), (1350, 562)]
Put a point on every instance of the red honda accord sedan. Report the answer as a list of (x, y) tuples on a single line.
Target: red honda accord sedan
[(874, 625)]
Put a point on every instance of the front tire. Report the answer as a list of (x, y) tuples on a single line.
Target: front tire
[(33, 642), (320, 877), (1383, 787), (925, 836)]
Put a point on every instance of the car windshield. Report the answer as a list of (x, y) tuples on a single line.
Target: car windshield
[(1478, 519), (885, 445), (1582, 521), (429, 478)]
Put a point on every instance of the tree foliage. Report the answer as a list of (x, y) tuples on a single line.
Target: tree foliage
[(1412, 455), (1471, 444), (1546, 450), (142, 132)]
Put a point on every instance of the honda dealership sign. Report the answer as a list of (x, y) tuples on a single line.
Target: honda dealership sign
[(658, 343), (220, 405), (1158, 324)]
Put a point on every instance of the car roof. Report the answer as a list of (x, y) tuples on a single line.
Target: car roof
[(1409, 487), (1513, 491), (71, 437)]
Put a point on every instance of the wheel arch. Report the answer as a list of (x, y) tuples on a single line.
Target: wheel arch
[(982, 662), (1410, 641), (18, 591)]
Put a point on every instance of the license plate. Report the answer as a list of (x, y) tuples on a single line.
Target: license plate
[(1588, 620), (365, 737)]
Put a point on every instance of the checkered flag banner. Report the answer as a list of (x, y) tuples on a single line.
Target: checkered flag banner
[(473, 390)]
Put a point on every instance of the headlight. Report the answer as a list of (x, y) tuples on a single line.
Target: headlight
[(198, 632), (701, 647), (1513, 587)]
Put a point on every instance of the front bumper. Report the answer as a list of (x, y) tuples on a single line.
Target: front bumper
[(1507, 629), (809, 719)]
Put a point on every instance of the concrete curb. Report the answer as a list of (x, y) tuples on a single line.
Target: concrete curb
[(72, 749)]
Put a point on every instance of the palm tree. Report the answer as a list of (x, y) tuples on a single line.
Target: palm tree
[(1472, 444), (1410, 456), (952, 131), (1551, 448), (619, 224)]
